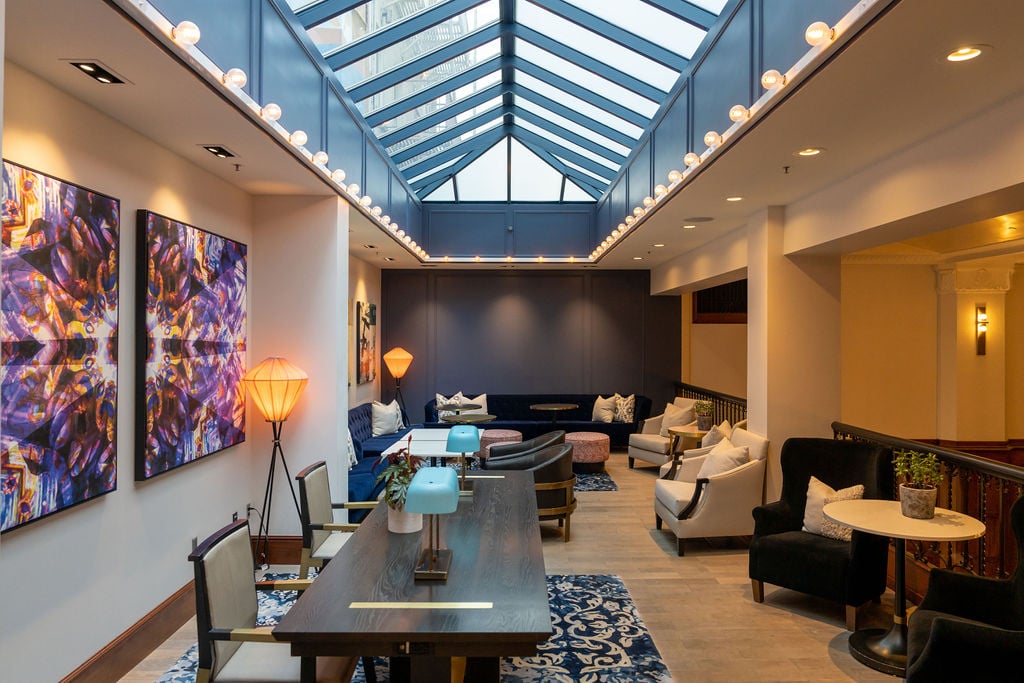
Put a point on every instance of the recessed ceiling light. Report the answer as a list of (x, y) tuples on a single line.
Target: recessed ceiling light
[(809, 152), (658, 245), (389, 258), (219, 151), (369, 246), (638, 258), (963, 54), (689, 226), (97, 71), (734, 199)]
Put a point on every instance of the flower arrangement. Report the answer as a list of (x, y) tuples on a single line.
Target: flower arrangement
[(920, 470), (401, 466)]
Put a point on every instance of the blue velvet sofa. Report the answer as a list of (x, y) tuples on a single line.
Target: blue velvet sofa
[(513, 412), (362, 478)]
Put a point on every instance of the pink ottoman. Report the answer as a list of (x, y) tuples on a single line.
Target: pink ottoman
[(589, 450), (489, 437)]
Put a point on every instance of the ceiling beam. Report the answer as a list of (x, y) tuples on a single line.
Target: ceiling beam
[(562, 110), (487, 139), (581, 93), (615, 33), (428, 184), (524, 136), (570, 136), (322, 11), (433, 92), (449, 134), (442, 115), (687, 11)]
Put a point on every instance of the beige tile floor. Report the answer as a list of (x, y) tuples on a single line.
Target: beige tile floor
[(698, 608)]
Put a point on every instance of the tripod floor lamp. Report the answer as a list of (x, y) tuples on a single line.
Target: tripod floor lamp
[(275, 386), (398, 361)]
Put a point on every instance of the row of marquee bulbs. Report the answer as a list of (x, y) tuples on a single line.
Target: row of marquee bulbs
[(816, 34), (187, 33)]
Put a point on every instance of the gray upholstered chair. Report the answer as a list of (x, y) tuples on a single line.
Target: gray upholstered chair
[(500, 451), (231, 646), (322, 537)]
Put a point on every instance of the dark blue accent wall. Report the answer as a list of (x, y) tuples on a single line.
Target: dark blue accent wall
[(482, 229), (510, 332)]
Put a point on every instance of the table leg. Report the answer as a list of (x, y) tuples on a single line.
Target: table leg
[(307, 669), (878, 648), (420, 669)]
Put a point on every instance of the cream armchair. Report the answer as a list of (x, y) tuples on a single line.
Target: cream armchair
[(716, 505), (648, 444)]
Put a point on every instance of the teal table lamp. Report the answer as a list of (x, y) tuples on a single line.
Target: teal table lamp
[(433, 491), (464, 439)]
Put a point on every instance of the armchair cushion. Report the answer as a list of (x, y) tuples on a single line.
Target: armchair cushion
[(820, 494), (604, 409), (675, 416), (721, 460), (716, 434), (674, 494), (650, 442)]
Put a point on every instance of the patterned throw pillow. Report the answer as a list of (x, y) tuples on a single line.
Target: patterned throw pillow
[(353, 459), (440, 400), (604, 409), (820, 494), (624, 408)]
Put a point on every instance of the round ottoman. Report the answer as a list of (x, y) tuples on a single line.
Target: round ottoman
[(489, 437), (589, 450)]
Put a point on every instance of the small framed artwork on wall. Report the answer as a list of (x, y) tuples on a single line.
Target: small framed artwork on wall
[(366, 342), (191, 340), (59, 293)]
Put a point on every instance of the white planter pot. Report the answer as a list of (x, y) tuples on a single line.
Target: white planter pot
[(918, 503), (402, 522)]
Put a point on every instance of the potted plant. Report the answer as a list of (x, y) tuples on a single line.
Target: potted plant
[(397, 475), (705, 411), (921, 474)]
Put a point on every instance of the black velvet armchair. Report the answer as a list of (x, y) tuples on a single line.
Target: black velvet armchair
[(553, 480), (970, 628), (781, 554), (500, 452)]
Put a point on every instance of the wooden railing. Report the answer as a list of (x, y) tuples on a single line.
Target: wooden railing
[(731, 408), (982, 488)]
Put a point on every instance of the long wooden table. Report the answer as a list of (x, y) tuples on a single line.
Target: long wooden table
[(494, 603)]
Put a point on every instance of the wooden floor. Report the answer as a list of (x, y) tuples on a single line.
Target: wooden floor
[(698, 608)]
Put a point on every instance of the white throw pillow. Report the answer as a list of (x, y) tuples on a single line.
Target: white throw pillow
[(480, 400), (820, 494), (604, 409), (387, 419), (352, 459), (721, 460), (440, 400), (675, 417), (624, 408), (716, 434)]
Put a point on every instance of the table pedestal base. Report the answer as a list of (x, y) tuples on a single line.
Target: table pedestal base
[(885, 651)]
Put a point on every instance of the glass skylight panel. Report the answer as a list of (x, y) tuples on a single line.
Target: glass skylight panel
[(594, 45), (648, 22), (445, 193), (413, 115), (448, 144), (494, 103), (365, 20), (296, 5), (427, 41), (559, 140), (583, 107), (713, 6), (586, 79), (523, 103), (486, 179), (533, 179), (579, 168), (573, 193)]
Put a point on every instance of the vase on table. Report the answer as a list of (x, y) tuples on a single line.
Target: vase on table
[(917, 503), (402, 522), (704, 422)]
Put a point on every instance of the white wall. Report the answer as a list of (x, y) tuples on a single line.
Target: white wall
[(364, 285), (74, 581)]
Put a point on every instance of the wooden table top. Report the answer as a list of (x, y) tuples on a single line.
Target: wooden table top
[(554, 406), (884, 518), (493, 604), (684, 430), (469, 418)]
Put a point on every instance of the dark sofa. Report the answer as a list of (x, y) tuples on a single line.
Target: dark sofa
[(362, 478), (513, 412)]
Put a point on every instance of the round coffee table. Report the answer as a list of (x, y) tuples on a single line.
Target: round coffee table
[(469, 418), (554, 409)]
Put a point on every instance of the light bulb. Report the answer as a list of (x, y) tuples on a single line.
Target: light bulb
[(964, 54), (186, 33), (615, 233), (412, 245), (366, 200), (622, 227), (338, 176), (235, 77), (630, 220), (407, 239), (660, 191), (477, 259), (353, 189), (377, 211), (394, 228), (321, 158), (298, 138), (674, 176), (691, 159), (712, 139), (819, 33), (648, 202), (772, 79), (271, 111), (400, 233), (638, 211), (385, 219), (739, 113)]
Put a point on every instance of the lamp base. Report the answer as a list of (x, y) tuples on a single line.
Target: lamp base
[(436, 570), (465, 487)]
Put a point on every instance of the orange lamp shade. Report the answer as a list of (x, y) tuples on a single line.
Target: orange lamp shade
[(397, 360), (275, 386)]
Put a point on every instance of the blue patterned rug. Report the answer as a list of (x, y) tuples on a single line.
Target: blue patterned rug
[(598, 481), (598, 637)]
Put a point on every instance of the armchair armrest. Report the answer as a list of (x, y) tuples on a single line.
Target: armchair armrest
[(260, 634), (334, 526), (652, 425), (721, 494), (943, 657), (774, 518), (284, 585), (970, 597), (675, 468), (355, 505)]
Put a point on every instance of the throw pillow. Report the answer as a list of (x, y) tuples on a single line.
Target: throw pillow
[(604, 409), (716, 434), (721, 460), (439, 400), (675, 417), (387, 419), (480, 400), (353, 459), (819, 494), (624, 408)]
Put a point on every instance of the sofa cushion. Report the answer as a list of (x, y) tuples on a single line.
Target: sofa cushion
[(480, 400), (757, 444), (675, 417), (675, 495), (624, 407), (441, 399), (721, 460), (604, 409), (387, 419)]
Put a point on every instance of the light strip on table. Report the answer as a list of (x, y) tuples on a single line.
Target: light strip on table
[(485, 476), (421, 605)]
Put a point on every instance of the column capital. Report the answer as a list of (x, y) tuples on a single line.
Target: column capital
[(970, 280)]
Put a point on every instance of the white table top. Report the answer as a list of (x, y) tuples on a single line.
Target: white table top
[(883, 517), (426, 443)]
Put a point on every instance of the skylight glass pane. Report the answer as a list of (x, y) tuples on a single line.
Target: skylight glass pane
[(436, 169), (599, 179), (296, 5), (486, 179), (422, 43), (713, 6), (445, 193), (571, 125), (583, 78), (449, 144), (648, 22), (594, 45), (533, 179), (365, 20), (408, 142), (559, 140), (583, 107), (573, 193), (446, 100)]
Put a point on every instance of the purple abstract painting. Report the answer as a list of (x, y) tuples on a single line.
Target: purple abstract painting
[(191, 354), (58, 276)]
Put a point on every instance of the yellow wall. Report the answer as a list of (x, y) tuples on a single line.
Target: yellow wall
[(1015, 356), (718, 358)]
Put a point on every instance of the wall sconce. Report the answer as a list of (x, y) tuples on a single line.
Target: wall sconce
[(981, 328)]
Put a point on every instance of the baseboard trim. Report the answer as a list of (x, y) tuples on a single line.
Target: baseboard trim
[(123, 653), (282, 549)]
